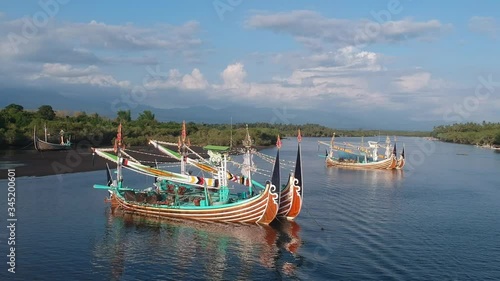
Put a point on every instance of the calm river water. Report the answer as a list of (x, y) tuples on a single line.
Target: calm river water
[(439, 219)]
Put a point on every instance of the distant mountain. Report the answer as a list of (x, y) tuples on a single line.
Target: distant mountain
[(334, 118)]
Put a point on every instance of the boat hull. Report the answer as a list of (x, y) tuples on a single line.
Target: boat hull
[(387, 164), (41, 145), (260, 209), (290, 200), (400, 164)]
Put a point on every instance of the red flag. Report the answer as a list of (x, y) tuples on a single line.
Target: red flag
[(278, 142), (183, 131), (299, 137)]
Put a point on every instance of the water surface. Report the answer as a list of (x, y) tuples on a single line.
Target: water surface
[(438, 219)]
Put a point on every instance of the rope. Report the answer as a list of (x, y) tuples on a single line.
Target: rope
[(314, 219), (126, 154), (271, 159), (150, 154), (30, 144)]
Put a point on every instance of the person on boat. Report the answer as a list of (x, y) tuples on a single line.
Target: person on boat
[(61, 133)]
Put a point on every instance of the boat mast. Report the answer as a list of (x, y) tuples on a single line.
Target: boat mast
[(332, 142), (387, 147), (118, 148), (231, 132), (183, 149), (45, 129), (247, 143)]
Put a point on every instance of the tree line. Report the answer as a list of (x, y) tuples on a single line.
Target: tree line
[(486, 133), (17, 125)]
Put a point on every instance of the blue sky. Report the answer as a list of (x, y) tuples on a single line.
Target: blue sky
[(407, 62)]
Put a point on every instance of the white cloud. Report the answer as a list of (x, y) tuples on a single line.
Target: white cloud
[(175, 80), (234, 76), (314, 31), (484, 25), (413, 82), (195, 80), (68, 74), (70, 42)]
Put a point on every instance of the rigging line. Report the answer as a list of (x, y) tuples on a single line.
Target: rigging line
[(314, 219), (30, 144), (162, 162), (271, 158), (150, 154), (199, 156), (126, 154), (252, 167)]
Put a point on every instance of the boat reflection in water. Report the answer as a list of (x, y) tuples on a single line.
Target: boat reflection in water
[(145, 247), (370, 178)]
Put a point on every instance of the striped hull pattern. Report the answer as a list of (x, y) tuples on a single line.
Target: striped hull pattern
[(387, 164), (286, 198), (290, 200), (401, 163), (296, 201), (260, 209)]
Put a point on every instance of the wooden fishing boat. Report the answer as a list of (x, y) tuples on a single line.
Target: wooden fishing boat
[(196, 201), (360, 158), (290, 195), (44, 145)]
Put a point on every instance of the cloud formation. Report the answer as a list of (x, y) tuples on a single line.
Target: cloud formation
[(313, 30), (68, 74), (484, 25), (73, 42)]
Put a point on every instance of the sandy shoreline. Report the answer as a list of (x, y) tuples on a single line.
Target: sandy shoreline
[(29, 163)]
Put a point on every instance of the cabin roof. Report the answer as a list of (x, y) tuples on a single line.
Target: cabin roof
[(216, 147)]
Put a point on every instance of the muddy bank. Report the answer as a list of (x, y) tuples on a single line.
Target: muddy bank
[(31, 163)]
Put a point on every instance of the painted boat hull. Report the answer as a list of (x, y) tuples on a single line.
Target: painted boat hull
[(290, 200), (401, 163), (387, 164), (259, 209)]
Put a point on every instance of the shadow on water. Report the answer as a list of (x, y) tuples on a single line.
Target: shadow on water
[(134, 245)]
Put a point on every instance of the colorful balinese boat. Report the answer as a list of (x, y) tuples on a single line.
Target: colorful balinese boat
[(181, 196), (291, 194), (360, 158), (44, 145)]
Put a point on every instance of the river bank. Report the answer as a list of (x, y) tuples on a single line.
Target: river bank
[(31, 163)]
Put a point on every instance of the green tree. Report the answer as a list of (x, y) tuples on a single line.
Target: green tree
[(147, 117), (124, 116), (14, 107), (496, 141), (46, 112)]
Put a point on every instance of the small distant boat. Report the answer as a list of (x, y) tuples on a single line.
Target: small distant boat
[(44, 145), (353, 157)]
